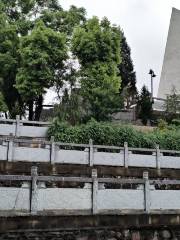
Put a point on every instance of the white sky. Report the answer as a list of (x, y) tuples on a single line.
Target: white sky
[(145, 24)]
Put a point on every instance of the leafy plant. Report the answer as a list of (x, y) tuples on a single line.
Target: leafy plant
[(109, 134)]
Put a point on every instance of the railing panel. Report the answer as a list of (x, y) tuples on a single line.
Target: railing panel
[(120, 199), (3, 153), (71, 200), (14, 149), (71, 157), (6, 129), (33, 131), (170, 162), (64, 199), (31, 154), (14, 199), (138, 160), (165, 200), (109, 159)]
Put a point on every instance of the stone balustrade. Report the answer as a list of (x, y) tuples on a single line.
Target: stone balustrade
[(93, 197), (23, 150)]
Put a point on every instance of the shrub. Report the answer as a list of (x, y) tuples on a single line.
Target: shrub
[(176, 122), (162, 124), (108, 134)]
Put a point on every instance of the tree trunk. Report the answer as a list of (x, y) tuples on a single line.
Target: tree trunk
[(31, 111), (6, 116), (39, 106)]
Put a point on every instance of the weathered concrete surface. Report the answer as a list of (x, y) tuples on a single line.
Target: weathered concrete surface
[(62, 199), (84, 170), (120, 199), (52, 223), (14, 199), (170, 76)]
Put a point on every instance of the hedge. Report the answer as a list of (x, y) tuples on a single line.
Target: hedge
[(111, 134)]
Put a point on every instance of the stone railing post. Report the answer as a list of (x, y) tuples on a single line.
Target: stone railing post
[(52, 150), (17, 131), (126, 155), (10, 148), (158, 155), (34, 190), (94, 191), (91, 153), (147, 200)]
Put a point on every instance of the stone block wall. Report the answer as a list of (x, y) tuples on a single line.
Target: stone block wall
[(117, 234)]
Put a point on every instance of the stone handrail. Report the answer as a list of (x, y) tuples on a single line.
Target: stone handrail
[(91, 198), (23, 128), (24, 150)]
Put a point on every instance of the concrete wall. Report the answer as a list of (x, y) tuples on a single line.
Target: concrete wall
[(128, 115), (170, 75)]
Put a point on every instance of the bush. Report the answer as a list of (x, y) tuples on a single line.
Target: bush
[(162, 124), (109, 134), (176, 122)]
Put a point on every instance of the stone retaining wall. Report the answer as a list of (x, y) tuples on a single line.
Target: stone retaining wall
[(118, 234)]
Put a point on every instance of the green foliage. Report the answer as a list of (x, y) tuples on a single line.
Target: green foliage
[(3, 107), (145, 105), (97, 47), (127, 73), (42, 54), (39, 41), (34, 43), (176, 122), (9, 60), (162, 124), (172, 106), (109, 134), (70, 109), (64, 21)]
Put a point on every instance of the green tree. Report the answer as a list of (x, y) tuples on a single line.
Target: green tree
[(33, 54), (145, 105), (172, 105), (70, 108), (42, 55), (9, 61), (96, 44), (127, 73), (63, 20)]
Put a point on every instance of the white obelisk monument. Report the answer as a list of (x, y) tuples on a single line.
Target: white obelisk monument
[(170, 75)]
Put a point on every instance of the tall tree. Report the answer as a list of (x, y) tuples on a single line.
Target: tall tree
[(145, 105), (42, 53), (97, 46), (127, 73), (9, 61)]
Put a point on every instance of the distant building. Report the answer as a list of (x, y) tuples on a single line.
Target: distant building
[(170, 76)]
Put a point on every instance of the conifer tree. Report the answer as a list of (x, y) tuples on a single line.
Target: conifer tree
[(127, 73)]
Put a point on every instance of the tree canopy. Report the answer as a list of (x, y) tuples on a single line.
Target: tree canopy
[(43, 46), (127, 73), (96, 44), (145, 105), (33, 49)]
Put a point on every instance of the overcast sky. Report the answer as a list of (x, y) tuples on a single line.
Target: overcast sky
[(145, 24)]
